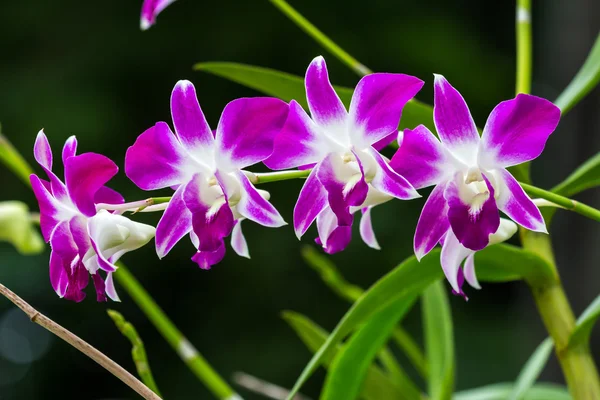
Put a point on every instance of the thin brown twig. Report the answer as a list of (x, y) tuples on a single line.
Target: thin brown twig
[(80, 345)]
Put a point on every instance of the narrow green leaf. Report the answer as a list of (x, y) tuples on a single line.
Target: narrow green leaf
[(17, 227), (501, 391), (585, 80), (532, 370), (348, 370), (13, 160), (499, 263), (377, 385), (585, 177), (585, 323), (291, 87), (138, 351), (439, 340)]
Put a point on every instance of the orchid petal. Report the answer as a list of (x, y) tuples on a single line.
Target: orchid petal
[(238, 241), (421, 158), (107, 195), (157, 160), (377, 105), (453, 120), (85, 174), (472, 216), (111, 292), (100, 288), (517, 130), (366, 229), (325, 106), (58, 275), (300, 141), (345, 185), (78, 281), (69, 149), (433, 222), (515, 203), (51, 210), (175, 223), (452, 256), (206, 259), (460, 278), (247, 130), (311, 201), (388, 181), (254, 206), (150, 10), (386, 141), (191, 127), (43, 155), (332, 236), (469, 271)]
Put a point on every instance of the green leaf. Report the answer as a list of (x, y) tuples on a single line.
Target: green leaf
[(585, 323), (349, 368), (500, 391), (497, 263), (585, 80), (532, 370), (291, 87), (377, 386), (439, 341), (13, 160), (585, 177)]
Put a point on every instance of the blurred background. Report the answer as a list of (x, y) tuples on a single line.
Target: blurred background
[(86, 69)]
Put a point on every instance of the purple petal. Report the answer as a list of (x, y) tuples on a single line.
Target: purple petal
[(156, 160), (388, 181), (325, 106), (111, 292), (150, 10), (366, 229), (453, 120), (107, 195), (175, 223), (206, 259), (453, 254), (255, 207), (58, 275), (85, 174), (300, 141), (345, 185), (78, 281), (515, 203), (42, 151), (190, 124), (51, 210), (212, 219), (69, 149), (472, 216), (469, 271), (420, 158), (460, 278), (332, 236), (247, 129), (311, 201), (100, 288), (238, 241), (517, 130), (386, 141), (433, 222), (377, 104), (65, 251), (80, 235)]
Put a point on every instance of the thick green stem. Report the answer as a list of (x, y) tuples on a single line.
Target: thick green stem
[(563, 202), (524, 48), (577, 364), (192, 358), (320, 37)]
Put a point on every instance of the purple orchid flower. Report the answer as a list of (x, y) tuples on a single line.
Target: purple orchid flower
[(213, 195), (472, 183), (150, 10), (83, 240), (454, 254), (348, 172)]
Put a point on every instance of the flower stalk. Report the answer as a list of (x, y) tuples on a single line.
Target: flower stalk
[(14, 160), (186, 351), (80, 345)]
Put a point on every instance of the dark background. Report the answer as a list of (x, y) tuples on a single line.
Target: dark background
[(85, 68)]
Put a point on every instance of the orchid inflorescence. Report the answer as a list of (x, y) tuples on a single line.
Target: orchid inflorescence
[(346, 173)]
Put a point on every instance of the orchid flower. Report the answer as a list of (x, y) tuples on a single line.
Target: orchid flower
[(150, 10), (454, 254), (83, 240), (348, 172), (212, 192), (469, 172)]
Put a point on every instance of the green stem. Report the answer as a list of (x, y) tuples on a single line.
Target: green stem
[(524, 48), (14, 161), (279, 176), (412, 350), (320, 37), (190, 356), (138, 351), (562, 201)]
